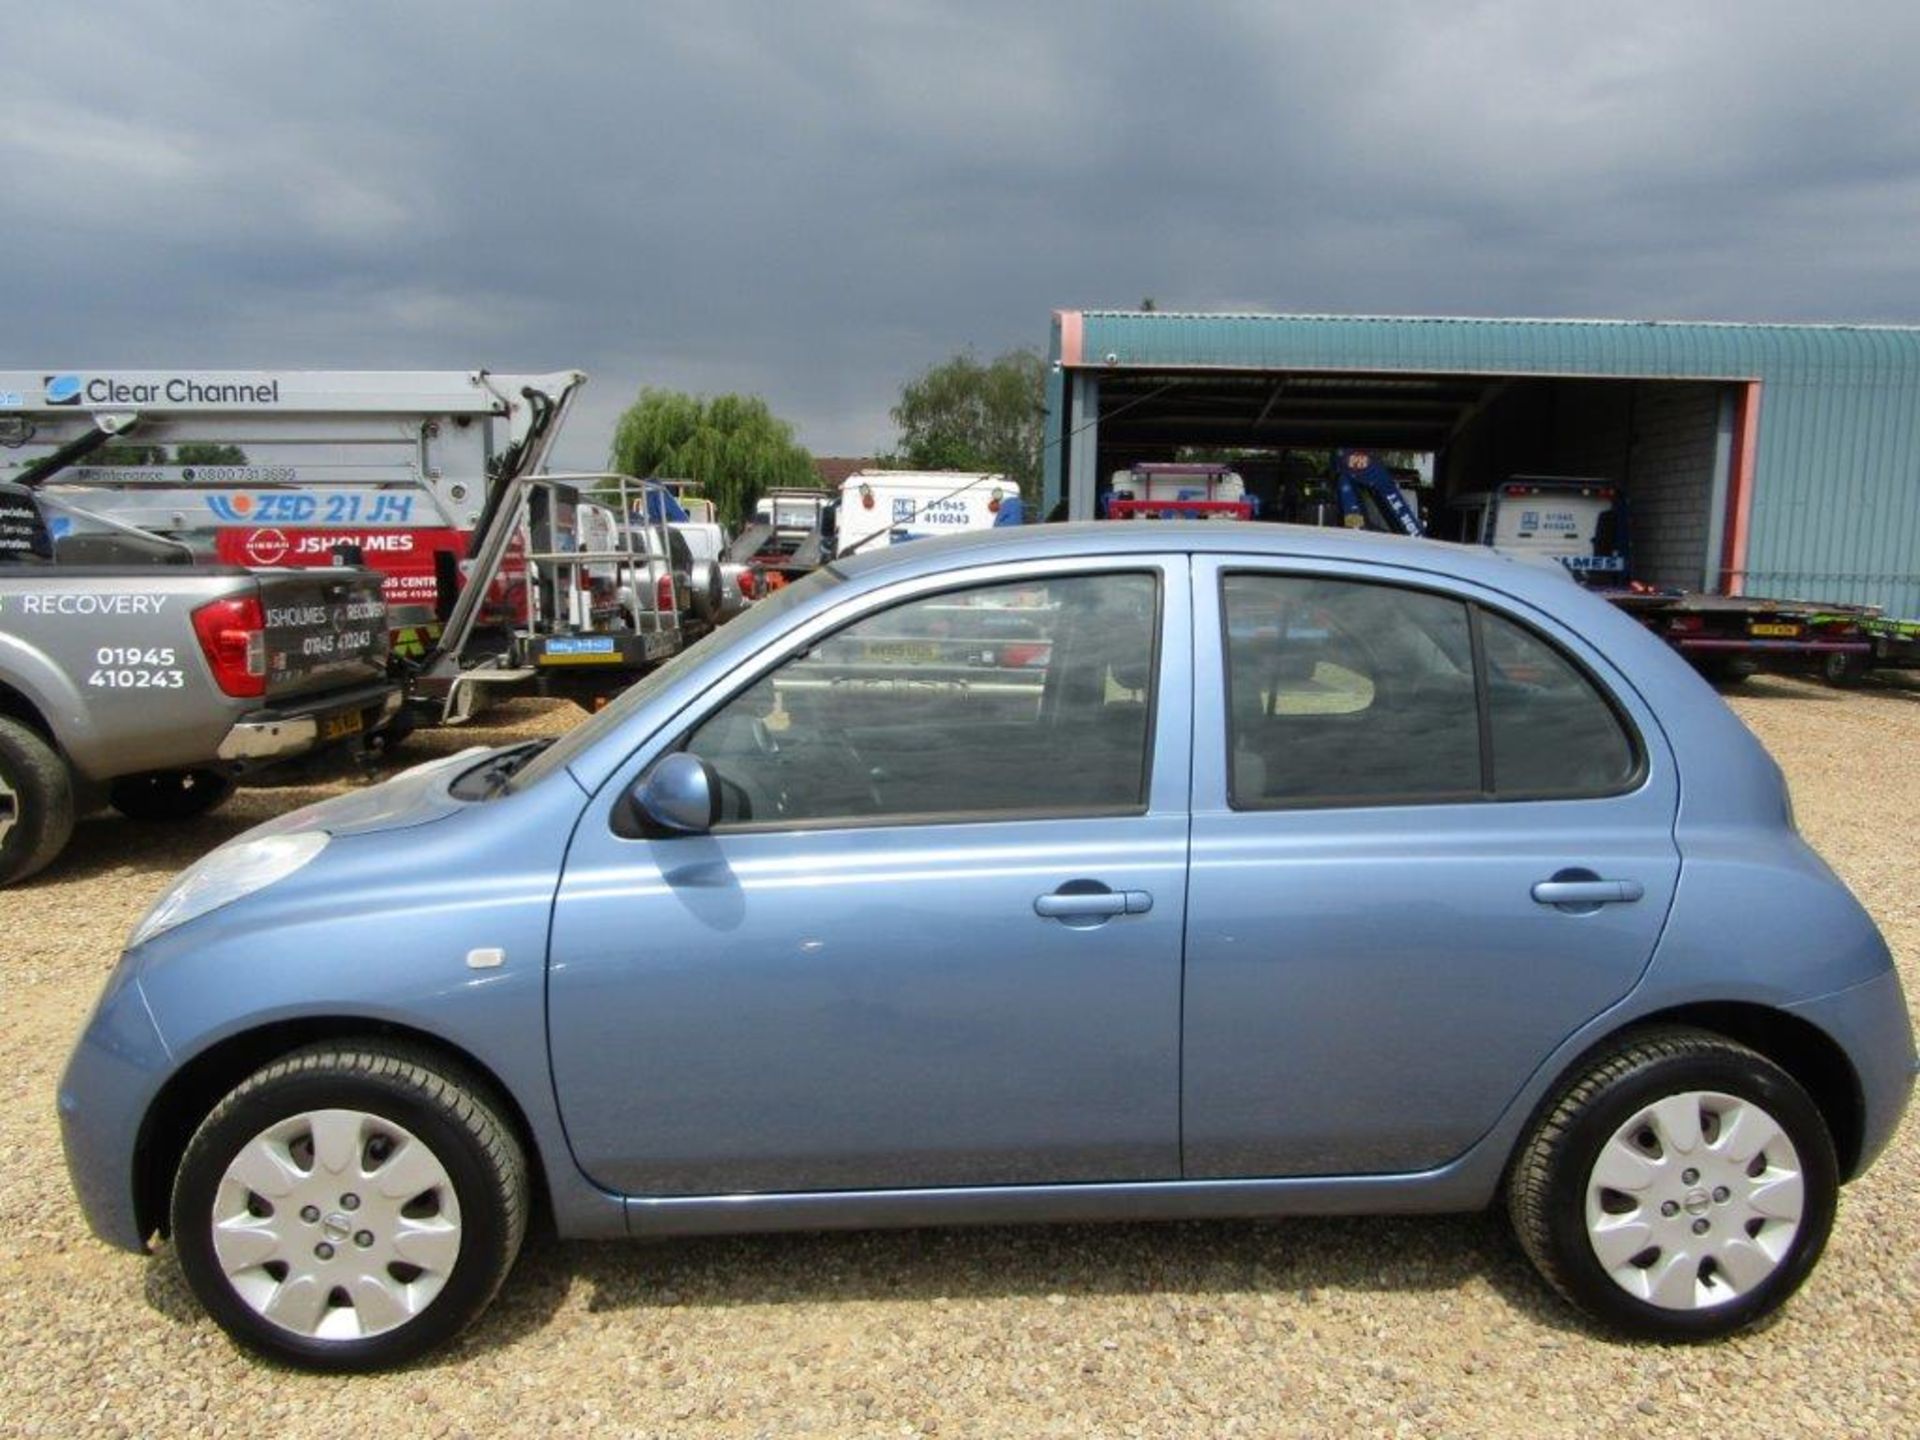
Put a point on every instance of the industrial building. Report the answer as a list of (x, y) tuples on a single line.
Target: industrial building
[(1779, 460)]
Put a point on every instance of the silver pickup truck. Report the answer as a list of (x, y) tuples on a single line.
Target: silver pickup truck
[(151, 685)]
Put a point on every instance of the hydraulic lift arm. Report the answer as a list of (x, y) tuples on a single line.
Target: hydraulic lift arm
[(107, 425), (1358, 473), (527, 454)]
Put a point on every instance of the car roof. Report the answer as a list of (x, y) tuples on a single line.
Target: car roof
[(1135, 537)]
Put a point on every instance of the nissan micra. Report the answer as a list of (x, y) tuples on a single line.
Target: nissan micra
[(1106, 872)]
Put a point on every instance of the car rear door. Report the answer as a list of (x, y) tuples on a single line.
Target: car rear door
[(935, 938), (1401, 899)]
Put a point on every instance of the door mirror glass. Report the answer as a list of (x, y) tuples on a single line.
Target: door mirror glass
[(679, 793)]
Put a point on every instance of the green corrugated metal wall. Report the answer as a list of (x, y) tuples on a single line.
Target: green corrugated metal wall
[(1835, 509)]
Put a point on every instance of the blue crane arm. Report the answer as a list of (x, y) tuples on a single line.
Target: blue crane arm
[(1355, 471)]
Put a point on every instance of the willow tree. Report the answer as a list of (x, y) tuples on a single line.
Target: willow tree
[(732, 446)]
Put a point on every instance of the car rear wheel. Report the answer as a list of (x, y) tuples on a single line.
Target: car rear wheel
[(349, 1207), (169, 794), (36, 802), (1680, 1188)]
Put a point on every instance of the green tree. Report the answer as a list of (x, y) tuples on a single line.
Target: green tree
[(963, 415), (732, 446)]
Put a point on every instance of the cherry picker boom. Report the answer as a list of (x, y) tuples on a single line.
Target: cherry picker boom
[(278, 469)]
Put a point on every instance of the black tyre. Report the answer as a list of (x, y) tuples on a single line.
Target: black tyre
[(169, 794), (36, 802), (1719, 670), (350, 1206), (392, 735), (1843, 670), (1680, 1188)]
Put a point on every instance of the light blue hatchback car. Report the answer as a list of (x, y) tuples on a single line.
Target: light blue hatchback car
[(1087, 872)]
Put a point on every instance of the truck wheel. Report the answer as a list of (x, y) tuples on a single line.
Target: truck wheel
[(350, 1206), (1720, 670), (169, 794), (36, 802), (1679, 1188), (1844, 671)]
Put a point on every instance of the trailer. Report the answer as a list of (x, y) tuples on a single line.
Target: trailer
[(1582, 522), (1892, 645), (792, 533), (606, 595)]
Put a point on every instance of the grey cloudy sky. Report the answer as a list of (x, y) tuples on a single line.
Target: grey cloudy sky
[(814, 200)]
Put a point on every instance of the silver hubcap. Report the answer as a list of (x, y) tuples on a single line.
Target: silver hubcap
[(1695, 1200), (9, 807), (336, 1225)]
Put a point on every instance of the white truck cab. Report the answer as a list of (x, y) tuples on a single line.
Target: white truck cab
[(885, 507), (1552, 517)]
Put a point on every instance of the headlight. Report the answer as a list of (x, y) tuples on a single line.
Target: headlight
[(226, 875)]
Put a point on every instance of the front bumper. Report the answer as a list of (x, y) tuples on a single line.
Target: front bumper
[(116, 1069), (295, 729)]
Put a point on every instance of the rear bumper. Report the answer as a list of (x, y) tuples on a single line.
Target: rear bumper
[(1870, 1022), (297, 728)]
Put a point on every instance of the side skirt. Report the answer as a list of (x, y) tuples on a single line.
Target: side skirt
[(1451, 1188)]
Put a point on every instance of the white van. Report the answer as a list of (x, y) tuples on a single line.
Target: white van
[(1566, 518), (885, 507)]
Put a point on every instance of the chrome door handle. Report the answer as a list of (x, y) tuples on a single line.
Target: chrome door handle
[(1088, 904), (1588, 892)]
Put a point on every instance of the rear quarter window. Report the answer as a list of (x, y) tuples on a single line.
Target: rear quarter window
[(1554, 734)]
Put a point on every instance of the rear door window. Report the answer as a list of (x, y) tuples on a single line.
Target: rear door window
[(1345, 692), (1341, 692)]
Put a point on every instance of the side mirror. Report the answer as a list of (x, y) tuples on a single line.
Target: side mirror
[(679, 793)]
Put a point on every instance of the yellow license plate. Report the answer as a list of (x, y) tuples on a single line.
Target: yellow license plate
[(334, 726), (1785, 631)]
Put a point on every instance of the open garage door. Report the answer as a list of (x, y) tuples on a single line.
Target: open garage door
[(1668, 445)]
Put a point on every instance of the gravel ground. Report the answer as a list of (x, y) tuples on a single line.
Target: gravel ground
[(1401, 1327)]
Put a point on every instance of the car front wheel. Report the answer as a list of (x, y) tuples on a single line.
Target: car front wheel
[(349, 1207), (1680, 1188)]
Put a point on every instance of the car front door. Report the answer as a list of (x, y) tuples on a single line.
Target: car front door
[(1432, 836), (934, 938)]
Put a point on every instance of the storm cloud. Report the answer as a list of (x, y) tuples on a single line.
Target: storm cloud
[(813, 201)]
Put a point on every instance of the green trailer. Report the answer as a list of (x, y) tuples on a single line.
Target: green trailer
[(1893, 645)]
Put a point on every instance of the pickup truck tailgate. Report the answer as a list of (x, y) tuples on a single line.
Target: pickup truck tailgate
[(325, 629)]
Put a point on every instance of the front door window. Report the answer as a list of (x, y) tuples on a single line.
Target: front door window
[(1000, 701)]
